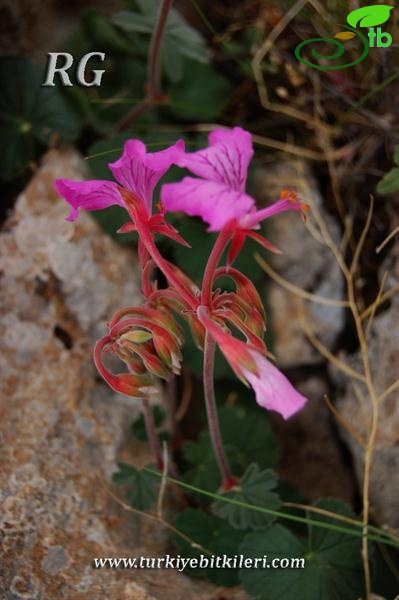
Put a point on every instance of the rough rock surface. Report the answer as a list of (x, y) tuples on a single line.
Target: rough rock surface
[(384, 359), (312, 455), (62, 429), (312, 459), (304, 262)]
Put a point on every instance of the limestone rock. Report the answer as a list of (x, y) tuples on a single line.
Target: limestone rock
[(62, 429), (304, 262), (354, 404), (311, 457)]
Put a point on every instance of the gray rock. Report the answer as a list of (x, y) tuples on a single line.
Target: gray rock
[(384, 360), (304, 262), (62, 428)]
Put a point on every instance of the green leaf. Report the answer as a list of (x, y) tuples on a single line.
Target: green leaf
[(255, 488), (173, 61), (250, 433), (201, 94), (102, 34), (213, 535), (389, 184), (179, 38), (204, 472), (138, 426), (247, 437), (30, 115), (369, 16), (385, 580), (333, 563), (141, 485), (396, 155)]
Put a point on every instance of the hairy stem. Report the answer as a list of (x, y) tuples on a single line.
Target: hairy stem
[(154, 91), (154, 83), (152, 434), (148, 242), (372, 433), (211, 266), (211, 411)]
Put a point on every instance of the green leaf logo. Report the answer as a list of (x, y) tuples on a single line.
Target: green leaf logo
[(369, 16)]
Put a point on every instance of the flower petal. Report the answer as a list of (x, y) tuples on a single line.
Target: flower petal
[(139, 171), (215, 203), (273, 390), (225, 161), (90, 195), (254, 218)]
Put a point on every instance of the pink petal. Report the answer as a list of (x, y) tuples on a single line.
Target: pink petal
[(273, 390), (253, 219), (225, 161), (215, 203), (90, 195), (139, 171)]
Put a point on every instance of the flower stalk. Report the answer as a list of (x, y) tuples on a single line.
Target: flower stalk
[(228, 479), (212, 264), (152, 434)]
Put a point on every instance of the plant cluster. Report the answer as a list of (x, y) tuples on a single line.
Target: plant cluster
[(147, 339)]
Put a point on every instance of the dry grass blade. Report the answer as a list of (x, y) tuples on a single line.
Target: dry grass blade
[(256, 65), (376, 304), (164, 480), (387, 239), (339, 364), (386, 296), (156, 518), (392, 388), (345, 424), (294, 289), (362, 239)]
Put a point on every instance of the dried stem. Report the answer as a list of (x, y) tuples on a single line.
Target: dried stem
[(157, 518), (387, 239), (164, 481), (367, 441), (339, 364), (394, 386), (345, 424), (388, 294), (294, 289), (375, 304)]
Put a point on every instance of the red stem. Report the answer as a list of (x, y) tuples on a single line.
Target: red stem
[(211, 266), (146, 238), (211, 411), (152, 434), (154, 87), (154, 92)]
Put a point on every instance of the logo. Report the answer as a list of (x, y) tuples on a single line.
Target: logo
[(368, 16), (53, 69)]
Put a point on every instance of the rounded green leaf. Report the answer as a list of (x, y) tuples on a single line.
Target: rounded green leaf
[(256, 488), (389, 184), (30, 115), (210, 536), (333, 563), (141, 485), (369, 16)]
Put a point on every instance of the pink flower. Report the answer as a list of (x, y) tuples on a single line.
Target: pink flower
[(218, 194), (272, 389), (136, 170)]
